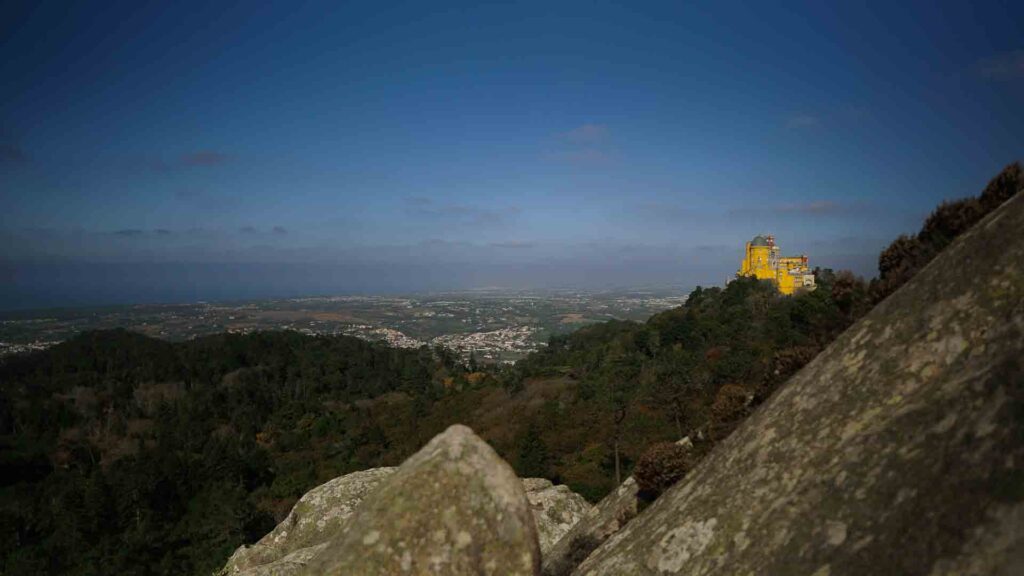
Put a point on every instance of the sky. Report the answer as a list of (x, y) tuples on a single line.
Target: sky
[(179, 151)]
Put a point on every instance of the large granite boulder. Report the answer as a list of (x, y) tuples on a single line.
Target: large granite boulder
[(321, 513), (288, 565), (556, 509), (898, 450), (318, 515), (455, 507)]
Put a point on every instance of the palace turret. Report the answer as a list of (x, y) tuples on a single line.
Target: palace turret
[(762, 260)]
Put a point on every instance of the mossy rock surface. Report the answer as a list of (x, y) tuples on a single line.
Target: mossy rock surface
[(556, 509), (609, 516), (322, 513), (455, 507), (318, 515)]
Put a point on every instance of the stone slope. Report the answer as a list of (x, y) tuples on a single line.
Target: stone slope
[(898, 450)]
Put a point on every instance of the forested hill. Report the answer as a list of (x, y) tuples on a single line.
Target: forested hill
[(128, 455), (121, 453)]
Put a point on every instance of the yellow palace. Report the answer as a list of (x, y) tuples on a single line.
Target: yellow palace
[(762, 260)]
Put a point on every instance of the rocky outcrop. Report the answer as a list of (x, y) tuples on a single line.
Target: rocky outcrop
[(898, 450), (556, 509), (601, 522), (291, 564), (455, 507), (604, 520), (321, 514), (318, 515)]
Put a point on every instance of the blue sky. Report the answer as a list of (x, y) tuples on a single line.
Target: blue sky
[(169, 151)]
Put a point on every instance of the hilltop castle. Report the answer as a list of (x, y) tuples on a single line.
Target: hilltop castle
[(761, 260)]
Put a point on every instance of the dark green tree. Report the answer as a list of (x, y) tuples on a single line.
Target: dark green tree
[(534, 459)]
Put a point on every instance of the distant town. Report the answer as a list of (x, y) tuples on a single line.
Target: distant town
[(492, 326)]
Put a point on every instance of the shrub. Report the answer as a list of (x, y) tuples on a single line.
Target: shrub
[(908, 254), (850, 294), (1001, 188), (730, 403), (948, 221), (661, 466), (785, 363)]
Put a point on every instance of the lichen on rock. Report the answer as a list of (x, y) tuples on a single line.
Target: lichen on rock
[(609, 516), (455, 507), (556, 509), (322, 513), (319, 514)]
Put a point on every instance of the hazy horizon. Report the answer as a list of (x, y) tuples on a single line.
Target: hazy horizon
[(163, 153)]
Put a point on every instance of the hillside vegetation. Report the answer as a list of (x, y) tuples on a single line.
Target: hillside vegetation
[(124, 454)]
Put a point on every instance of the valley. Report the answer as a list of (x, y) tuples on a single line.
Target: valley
[(494, 326)]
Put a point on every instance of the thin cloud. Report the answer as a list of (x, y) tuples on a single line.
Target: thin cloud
[(665, 212), (11, 154), (204, 158), (426, 208), (714, 248), (208, 201), (129, 233), (162, 232), (814, 207), (512, 244), (586, 134), (253, 230), (584, 156), (585, 145), (191, 160), (810, 208), (1003, 67), (441, 243), (419, 201), (802, 121)]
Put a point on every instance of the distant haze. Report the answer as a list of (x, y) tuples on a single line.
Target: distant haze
[(174, 152)]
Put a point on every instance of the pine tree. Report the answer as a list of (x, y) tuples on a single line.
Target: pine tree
[(534, 458)]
